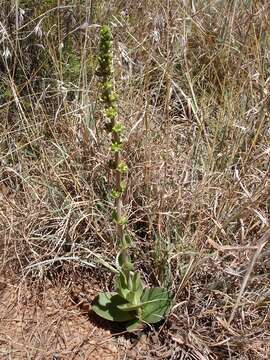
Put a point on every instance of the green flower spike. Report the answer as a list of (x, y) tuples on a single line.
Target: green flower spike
[(131, 303)]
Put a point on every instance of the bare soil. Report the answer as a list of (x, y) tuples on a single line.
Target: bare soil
[(49, 325)]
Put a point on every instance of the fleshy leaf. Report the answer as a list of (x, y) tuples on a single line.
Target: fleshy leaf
[(131, 297), (137, 287), (134, 325), (121, 286), (134, 296), (106, 306), (123, 261), (156, 303), (129, 307)]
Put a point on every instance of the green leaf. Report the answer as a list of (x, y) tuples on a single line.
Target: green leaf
[(137, 289), (129, 307), (121, 285), (114, 215), (106, 306), (156, 303), (123, 261), (127, 241), (137, 284), (134, 325)]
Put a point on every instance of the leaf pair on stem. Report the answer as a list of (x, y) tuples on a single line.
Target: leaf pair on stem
[(132, 302)]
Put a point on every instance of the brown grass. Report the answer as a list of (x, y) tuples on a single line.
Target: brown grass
[(193, 80)]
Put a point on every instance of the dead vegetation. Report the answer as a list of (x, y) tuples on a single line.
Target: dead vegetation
[(193, 84)]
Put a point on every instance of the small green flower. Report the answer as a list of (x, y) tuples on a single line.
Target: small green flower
[(116, 147), (113, 97), (123, 186), (115, 194), (107, 86), (122, 221), (118, 128), (111, 113), (122, 167)]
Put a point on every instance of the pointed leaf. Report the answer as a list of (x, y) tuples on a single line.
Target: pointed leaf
[(137, 287), (137, 282), (123, 260), (131, 297), (106, 306), (121, 285), (156, 304), (127, 240)]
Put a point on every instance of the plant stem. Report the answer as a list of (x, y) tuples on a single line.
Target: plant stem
[(118, 200), (115, 128)]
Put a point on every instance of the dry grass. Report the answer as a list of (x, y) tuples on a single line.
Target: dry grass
[(193, 79)]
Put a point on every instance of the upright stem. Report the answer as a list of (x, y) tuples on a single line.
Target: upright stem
[(118, 200), (115, 128)]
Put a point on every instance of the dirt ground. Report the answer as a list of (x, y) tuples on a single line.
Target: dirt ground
[(50, 325), (53, 321)]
